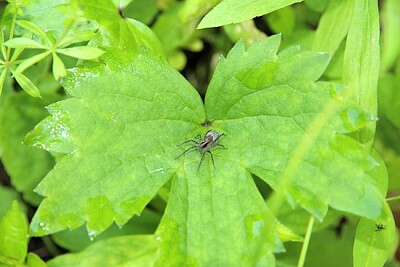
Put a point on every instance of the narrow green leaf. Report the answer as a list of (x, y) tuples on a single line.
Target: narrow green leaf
[(2, 79), (234, 11), (35, 29), (31, 61), (333, 25), (132, 250), (2, 48), (81, 52), (27, 85), (390, 41), (76, 38), (13, 234), (375, 240), (362, 60), (23, 42), (59, 70)]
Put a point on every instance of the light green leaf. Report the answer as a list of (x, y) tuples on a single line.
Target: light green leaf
[(183, 17), (2, 48), (375, 240), (23, 42), (234, 11), (31, 61), (114, 150), (143, 11), (13, 235), (121, 3), (25, 165), (122, 123), (317, 5), (34, 260), (27, 85), (111, 173), (76, 38), (282, 20), (59, 70), (53, 16), (116, 31), (216, 217), (117, 251), (7, 196), (35, 29), (333, 25), (246, 31), (276, 99), (390, 41), (2, 79), (81, 52), (77, 240), (361, 61)]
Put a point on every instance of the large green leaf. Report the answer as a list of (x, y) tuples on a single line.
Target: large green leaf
[(120, 129), (268, 105), (124, 118)]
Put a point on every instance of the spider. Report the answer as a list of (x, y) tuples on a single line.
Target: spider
[(380, 227), (203, 145)]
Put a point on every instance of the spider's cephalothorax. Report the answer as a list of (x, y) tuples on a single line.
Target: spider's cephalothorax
[(203, 145), (380, 227)]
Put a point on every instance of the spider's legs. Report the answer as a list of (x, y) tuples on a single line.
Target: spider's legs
[(184, 142), (219, 136), (184, 152), (212, 158), (220, 145), (201, 160)]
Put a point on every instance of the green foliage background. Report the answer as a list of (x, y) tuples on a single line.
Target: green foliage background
[(96, 95)]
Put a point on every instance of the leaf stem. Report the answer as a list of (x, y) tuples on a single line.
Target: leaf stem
[(306, 242), (8, 49), (393, 198), (300, 152)]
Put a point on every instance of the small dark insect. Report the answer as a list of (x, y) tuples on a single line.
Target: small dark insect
[(203, 145), (380, 227)]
